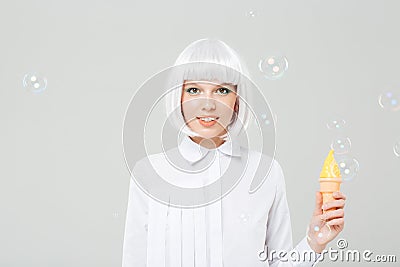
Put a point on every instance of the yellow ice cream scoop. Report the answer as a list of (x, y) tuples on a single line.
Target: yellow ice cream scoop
[(330, 178), (330, 168)]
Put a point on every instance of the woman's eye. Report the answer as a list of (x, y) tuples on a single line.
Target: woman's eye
[(192, 90), (223, 91)]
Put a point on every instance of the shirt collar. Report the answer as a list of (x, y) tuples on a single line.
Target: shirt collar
[(194, 152)]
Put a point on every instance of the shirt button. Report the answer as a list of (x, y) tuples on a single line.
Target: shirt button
[(146, 227)]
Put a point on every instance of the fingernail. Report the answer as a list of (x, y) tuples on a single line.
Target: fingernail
[(324, 206)]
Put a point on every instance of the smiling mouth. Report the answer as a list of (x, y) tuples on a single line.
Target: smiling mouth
[(207, 121)]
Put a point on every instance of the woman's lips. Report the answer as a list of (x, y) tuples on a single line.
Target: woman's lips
[(207, 121)]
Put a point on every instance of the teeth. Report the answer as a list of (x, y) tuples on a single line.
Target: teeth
[(207, 119)]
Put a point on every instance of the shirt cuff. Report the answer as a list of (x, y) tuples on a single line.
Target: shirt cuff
[(308, 255)]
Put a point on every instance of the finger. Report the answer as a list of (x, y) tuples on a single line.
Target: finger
[(334, 204), (318, 203), (339, 221), (339, 195), (333, 214)]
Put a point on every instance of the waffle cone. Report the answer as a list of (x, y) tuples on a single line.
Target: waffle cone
[(327, 187)]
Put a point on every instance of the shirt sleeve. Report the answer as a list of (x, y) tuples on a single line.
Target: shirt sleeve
[(135, 238), (279, 245)]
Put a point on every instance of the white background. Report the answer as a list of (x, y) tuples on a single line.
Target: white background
[(64, 183)]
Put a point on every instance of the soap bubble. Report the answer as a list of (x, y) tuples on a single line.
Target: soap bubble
[(318, 231), (273, 67), (341, 145), (389, 101), (335, 124), (174, 190), (396, 148), (267, 120), (251, 14), (348, 166), (244, 217), (34, 82)]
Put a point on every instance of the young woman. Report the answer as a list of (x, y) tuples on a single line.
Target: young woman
[(224, 225)]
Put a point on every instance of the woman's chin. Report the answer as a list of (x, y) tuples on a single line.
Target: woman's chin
[(210, 135)]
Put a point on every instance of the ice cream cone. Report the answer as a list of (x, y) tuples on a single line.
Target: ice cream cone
[(327, 187), (330, 179)]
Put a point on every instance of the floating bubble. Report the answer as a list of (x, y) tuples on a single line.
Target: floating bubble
[(267, 119), (389, 101), (273, 67), (244, 217), (321, 230), (341, 145), (396, 148), (348, 166), (34, 82), (335, 124), (251, 14), (174, 190)]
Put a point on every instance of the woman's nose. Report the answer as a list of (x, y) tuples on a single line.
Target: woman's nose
[(209, 104)]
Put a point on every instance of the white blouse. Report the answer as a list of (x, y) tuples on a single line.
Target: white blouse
[(240, 229)]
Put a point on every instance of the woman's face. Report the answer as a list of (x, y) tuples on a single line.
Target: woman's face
[(208, 107)]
